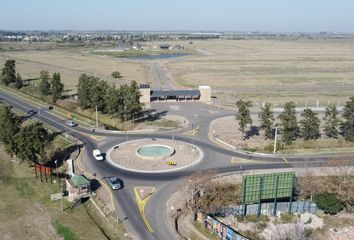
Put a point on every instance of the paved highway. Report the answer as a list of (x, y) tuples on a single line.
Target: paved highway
[(215, 158)]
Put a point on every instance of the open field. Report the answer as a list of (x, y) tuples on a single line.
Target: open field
[(25, 204), (270, 69), (71, 64)]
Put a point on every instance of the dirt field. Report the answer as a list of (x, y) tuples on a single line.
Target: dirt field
[(71, 64), (220, 129), (270, 69)]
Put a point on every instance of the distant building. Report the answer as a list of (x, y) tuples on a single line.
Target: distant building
[(202, 94), (166, 47)]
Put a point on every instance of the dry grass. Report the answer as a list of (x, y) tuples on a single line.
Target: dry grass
[(270, 67), (28, 213), (71, 64)]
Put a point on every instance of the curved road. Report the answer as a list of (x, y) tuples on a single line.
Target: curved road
[(215, 158)]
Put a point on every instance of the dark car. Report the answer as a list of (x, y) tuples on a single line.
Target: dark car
[(31, 112)]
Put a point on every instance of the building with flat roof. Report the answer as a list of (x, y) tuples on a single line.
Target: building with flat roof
[(203, 94)]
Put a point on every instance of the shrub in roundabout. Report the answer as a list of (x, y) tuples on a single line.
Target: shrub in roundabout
[(329, 203)]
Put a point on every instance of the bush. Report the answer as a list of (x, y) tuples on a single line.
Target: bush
[(329, 203), (116, 74), (286, 217)]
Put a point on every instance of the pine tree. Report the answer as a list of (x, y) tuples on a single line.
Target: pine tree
[(288, 121), (266, 117), (310, 125), (8, 74), (44, 85), (331, 121), (85, 86), (57, 87), (9, 125), (19, 83), (243, 115), (348, 123), (31, 140)]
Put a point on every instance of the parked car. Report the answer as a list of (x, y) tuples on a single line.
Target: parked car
[(97, 155), (71, 123), (114, 183)]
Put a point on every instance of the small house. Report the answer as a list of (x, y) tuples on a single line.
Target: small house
[(166, 47), (78, 187)]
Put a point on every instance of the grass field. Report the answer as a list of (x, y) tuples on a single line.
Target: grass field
[(71, 64), (270, 69), (27, 212)]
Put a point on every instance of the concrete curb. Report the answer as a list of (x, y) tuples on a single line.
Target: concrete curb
[(108, 158)]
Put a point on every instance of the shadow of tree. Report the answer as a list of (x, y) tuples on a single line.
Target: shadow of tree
[(95, 184), (253, 131)]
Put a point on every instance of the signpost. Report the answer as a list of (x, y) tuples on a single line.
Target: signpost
[(266, 187)]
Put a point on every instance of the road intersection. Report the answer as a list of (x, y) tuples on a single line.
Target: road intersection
[(154, 223)]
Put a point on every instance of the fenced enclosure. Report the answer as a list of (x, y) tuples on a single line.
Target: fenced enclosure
[(268, 208)]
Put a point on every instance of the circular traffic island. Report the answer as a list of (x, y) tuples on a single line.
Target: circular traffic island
[(154, 155)]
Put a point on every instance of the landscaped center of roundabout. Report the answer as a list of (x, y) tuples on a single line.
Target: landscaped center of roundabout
[(154, 155)]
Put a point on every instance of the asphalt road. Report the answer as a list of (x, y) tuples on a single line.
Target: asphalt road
[(215, 158)]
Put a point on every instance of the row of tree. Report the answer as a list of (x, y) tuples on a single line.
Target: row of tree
[(122, 102), (51, 86), (9, 76), (310, 123), (27, 142), (47, 86)]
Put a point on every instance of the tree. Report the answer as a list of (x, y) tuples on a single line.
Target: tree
[(116, 74), (131, 101), (30, 142), (57, 87), (98, 94), (348, 123), (329, 203), (339, 180), (307, 185), (44, 85), (8, 74), (310, 125), (19, 83), (85, 86), (289, 123), (243, 115), (267, 117), (113, 101), (9, 125), (331, 121)]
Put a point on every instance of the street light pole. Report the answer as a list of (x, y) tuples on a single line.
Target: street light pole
[(125, 123), (275, 140), (96, 117), (56, 168)]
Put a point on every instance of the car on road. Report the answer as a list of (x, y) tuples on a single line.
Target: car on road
[(97, 155), (114, 182), (71, 123), (31, 112)]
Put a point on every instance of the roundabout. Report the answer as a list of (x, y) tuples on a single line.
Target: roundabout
[(154, 155)]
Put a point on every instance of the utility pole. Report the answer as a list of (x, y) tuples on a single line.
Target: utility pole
[(96, 117), (61, 189), (275, 140), (125, 123)]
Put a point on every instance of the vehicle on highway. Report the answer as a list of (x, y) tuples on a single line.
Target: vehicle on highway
[(31, 112), (98, 155), (114, 182), (71, 123)]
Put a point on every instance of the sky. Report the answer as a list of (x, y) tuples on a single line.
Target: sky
[(179, 15)]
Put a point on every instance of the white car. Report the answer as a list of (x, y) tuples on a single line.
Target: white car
[(97, 155), (71, 123)]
